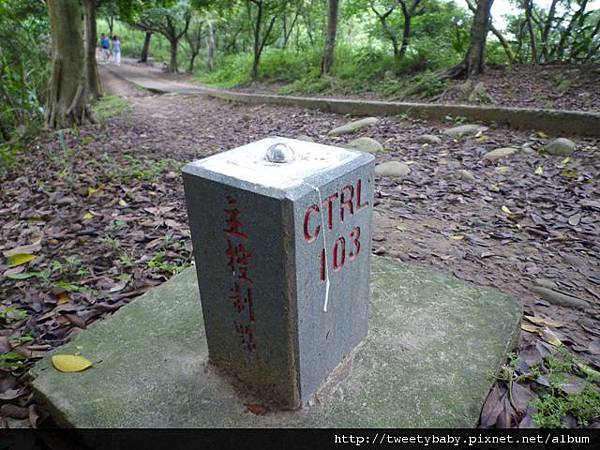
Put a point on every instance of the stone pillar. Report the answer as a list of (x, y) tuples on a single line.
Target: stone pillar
[(282, 240)]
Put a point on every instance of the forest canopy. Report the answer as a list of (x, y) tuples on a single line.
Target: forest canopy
[(400, 48)]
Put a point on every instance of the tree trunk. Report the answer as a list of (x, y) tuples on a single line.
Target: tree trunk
[(329, 51), (257, 26), (192, 60), (474, 61), (505, 45), (146, 47), (67, 102), (91, 38), (405, 35), (173, 64), (111, 25), (210, 47), (546, 30), (532, 43)]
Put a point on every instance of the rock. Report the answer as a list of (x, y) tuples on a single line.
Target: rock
[(559, 147), (464, 129), (365, 144), (557, 298), (392, 169), (351, 127), (304, 137), (574, 260), (546, 283), (380, 251), (429, 139), (527, 150), (499, 153), (466, 175)]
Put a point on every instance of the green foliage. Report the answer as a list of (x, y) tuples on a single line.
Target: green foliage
[(554, 404), (109, 106), (159, 265), (146, 169), (10, 314), (24, 57)]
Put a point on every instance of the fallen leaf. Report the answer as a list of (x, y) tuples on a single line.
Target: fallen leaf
[(23, 249), (548, 336), (70, 363), (63, 298), (529, 328), (492, 407), (594, 347), (542, 134), (122, 203), (505, 210), (539, 171), (88, 216), (91, 191), (569, 174), (20, 259), (256, 409), (457, 237), (543, 321), (520, 396), (564, 163)]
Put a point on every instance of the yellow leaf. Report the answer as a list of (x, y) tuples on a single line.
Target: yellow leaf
[(401, 227), (63, 298), (544, 321), (88, 216), (481, 138), (91, 190), (542, 134), (503, 169), (550, 337), (529, 328), (20, 258), (564, 162), (425, 145), (505, 210), (539, 171), (569, 174), (519, 226), (457, 237), (122, 203), (70, 363)]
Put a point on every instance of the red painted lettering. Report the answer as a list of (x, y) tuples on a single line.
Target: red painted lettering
[(308, 236), (339, 263), (359, 206), (355, 236)]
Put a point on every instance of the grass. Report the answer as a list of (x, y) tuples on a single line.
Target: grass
[(554, 404), (110, 106)]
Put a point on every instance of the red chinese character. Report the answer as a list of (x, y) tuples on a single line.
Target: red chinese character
[(240, 300), (239, 260), (247, 335), (234, 224)]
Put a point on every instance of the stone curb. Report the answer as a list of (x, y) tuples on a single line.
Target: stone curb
[(551, 121)]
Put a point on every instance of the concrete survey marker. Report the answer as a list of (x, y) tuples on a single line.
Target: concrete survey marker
[(433, 342), (282, 237)]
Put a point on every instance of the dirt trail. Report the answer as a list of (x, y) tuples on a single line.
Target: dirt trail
[(130, 231)]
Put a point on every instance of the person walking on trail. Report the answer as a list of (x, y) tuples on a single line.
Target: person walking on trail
[(104, 48), (116, 50)]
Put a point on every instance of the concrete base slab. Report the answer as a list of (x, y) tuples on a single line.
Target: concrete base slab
[(433, 342)]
